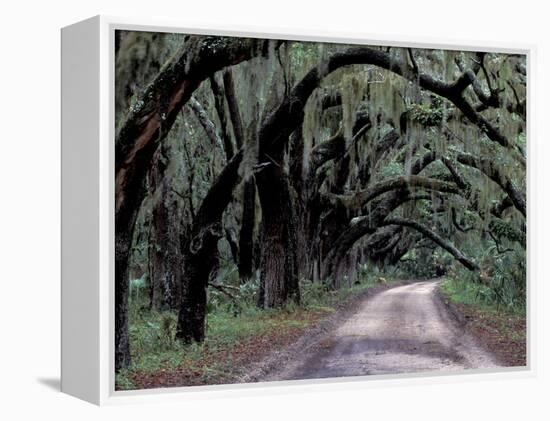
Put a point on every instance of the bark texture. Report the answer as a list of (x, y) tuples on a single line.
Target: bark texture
[(279, 265), (166, 265), (246, 237), (202, 253)]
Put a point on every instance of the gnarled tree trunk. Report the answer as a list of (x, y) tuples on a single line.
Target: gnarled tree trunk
[(246, 237), (166, 266), (201, 254), (279, 265)]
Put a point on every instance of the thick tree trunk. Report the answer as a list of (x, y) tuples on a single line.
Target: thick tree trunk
[(279, 265), (133, 71), (231, 238), (123, 241), (298, 184), (246, 237), (166, 266), (200, 258)]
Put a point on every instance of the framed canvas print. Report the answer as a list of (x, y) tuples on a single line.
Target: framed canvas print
[(247, 208)]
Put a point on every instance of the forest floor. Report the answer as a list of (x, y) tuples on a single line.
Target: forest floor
[(236, 347), (223, 362), (403, 329)]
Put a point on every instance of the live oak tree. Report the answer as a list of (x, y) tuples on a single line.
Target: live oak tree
[(145, 126), (303, 161)]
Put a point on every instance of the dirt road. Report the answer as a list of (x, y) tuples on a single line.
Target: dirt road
[(400, 330)]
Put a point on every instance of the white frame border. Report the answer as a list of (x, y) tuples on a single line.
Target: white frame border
[(107, 394)]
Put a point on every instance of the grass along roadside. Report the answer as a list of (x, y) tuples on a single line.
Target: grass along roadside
[(238, 334), (501, 329)]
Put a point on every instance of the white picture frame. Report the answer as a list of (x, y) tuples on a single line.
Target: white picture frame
[(88, 213)]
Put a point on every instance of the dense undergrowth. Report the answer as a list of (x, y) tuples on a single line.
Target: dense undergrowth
[(493, 303), (483, 295), (500, 285), (236, 330), (502, 328)]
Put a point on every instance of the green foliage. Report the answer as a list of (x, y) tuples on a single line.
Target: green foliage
[(152, 332), (154, 348), (124, 381), (236, 299), (137, 286), (422, 263), (320, 294), (428, 115), (503, 229), (314, 293), (393, 168), (508, 280), (467, 292), (370, 274), (500, 284)]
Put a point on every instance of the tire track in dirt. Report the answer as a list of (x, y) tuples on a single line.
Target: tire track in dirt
[(404, 329)]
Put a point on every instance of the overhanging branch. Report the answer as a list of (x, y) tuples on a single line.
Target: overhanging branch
[(436, 238), (491, 170), (360, 199)]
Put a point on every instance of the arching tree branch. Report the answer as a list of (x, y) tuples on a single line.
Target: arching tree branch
[(436, 238), (491, 170), (360, 199), (335, 146)]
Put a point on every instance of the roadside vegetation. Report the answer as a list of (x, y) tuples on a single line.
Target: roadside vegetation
[(493, 315)]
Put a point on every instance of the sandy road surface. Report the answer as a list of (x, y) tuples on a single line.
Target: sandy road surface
[(400, 330)]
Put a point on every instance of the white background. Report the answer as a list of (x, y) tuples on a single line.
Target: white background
[(29, 211)]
